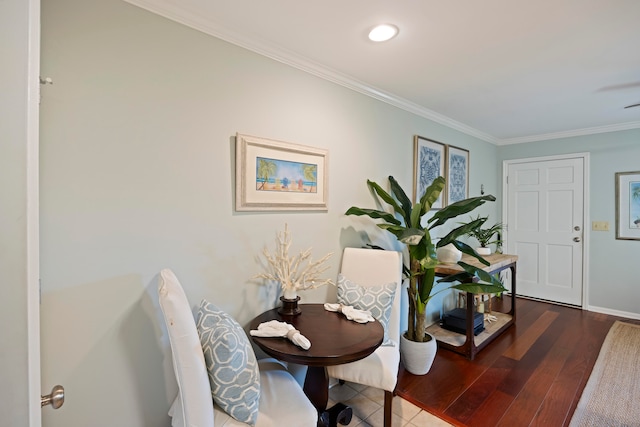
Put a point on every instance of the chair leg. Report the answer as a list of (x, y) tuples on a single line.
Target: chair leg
[(388, 400)]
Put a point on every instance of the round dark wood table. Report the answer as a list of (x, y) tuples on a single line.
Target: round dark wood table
[(334, 341)]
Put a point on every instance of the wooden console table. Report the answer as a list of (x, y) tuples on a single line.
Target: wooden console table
[(469, 344)]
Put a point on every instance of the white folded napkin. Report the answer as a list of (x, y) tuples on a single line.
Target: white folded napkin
[(274, 328), (351, 313)]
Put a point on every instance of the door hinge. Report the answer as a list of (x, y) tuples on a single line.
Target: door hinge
[(43, 81)]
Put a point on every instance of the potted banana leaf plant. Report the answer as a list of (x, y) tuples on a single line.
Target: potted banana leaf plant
[(484, 236), (407, 223)]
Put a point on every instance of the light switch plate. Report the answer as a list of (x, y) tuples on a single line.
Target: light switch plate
[(600, 226)]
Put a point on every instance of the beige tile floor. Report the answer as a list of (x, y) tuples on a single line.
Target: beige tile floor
[(368, 411)]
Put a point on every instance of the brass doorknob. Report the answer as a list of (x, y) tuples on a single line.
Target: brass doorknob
[(55, 399)]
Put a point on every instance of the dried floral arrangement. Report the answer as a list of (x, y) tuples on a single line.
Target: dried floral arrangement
[(294, 273)]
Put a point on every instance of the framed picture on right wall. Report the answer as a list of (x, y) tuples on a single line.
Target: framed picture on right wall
[(429, 161), (628, 205), (457, 174)]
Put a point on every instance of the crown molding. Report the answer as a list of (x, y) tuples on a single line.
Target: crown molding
[(570, 133), (277, 53), (175, 12)]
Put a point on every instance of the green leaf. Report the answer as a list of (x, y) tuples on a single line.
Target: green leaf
[(421, 305), (396, 230), (429, 263), (479, 273), (373, 213), (426, 284), (466, 249), (431, 194), (385, 197), (478, 288), (467, 228), (425, 248), (458, 208), (411, 236), (405, 202), (463, 230), (420, 250), (477, 256), (470, 272), (416, 215)]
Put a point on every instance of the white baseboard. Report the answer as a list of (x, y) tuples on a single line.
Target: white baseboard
[(614, 312)]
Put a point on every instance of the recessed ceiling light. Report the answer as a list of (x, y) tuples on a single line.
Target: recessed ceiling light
[(382, 33)]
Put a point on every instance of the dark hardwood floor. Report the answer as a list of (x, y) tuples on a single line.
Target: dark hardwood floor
[(532, 375)]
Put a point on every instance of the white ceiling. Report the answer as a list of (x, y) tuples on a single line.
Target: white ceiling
[(506, 71)]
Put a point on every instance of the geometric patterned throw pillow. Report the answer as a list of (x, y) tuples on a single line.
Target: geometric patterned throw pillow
[(231, 362), (376, 299)]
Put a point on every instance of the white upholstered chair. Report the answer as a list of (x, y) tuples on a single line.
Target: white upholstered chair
[(373, 267), (194, 407)]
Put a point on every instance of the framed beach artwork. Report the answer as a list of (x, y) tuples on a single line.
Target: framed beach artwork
[(457, 174), (276, 176), (428, 164), (628, 205)]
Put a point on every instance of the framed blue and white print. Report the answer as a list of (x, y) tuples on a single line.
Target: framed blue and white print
[(428, 163), (457, 174), (628, 205)]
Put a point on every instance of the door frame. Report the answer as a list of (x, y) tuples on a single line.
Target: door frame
[(20, 29), (33, 214), (585, 156)]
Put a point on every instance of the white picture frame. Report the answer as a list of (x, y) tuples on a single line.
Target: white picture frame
[(275, 175), (429, 162), (628, 205), (457, 174)]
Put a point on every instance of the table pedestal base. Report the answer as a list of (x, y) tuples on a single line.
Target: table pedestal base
[(337, 414), (316, 387)]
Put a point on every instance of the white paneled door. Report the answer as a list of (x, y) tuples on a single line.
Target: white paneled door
[(545, 226)]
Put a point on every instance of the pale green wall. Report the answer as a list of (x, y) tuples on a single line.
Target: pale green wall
[(137, 174), (613, 282)]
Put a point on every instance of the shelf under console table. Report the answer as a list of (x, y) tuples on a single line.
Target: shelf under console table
[(469, 344)]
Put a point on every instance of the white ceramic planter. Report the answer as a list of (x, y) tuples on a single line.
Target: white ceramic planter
[(483, 251), (448, 254), (417, 357)]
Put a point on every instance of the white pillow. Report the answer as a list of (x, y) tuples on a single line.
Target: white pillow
[(376, 299), (188, 360)]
